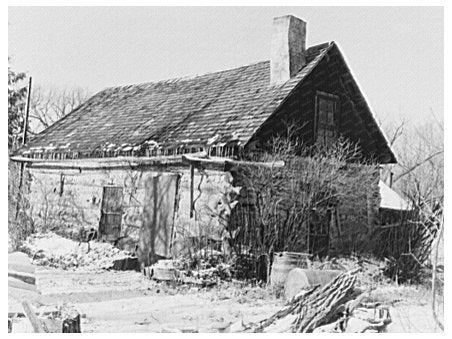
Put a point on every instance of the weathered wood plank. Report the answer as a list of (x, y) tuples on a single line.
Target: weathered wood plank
[(35, 322)]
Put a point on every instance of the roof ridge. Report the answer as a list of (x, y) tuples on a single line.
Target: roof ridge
[(194, 76)]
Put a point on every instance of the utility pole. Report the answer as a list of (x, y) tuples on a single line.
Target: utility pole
[(24, 140), (27, 113)]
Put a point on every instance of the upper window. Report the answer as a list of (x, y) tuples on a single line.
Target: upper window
[(326, 118)]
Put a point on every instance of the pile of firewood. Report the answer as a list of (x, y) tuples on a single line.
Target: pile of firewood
[(337, 307)]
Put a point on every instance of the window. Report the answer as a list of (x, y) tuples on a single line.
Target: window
[(326, 118)]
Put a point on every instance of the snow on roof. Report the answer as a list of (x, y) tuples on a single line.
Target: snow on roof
[(391, 199)]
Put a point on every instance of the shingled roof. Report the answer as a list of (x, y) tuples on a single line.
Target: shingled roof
[(186, 112)]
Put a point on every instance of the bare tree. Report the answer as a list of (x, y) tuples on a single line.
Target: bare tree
[(49, 106), (419, 176), (420, 172)]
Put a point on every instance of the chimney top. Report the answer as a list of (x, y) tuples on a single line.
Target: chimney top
[(288, 48)]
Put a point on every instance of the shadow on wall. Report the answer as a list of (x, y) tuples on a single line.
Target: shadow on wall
[(202, 218)]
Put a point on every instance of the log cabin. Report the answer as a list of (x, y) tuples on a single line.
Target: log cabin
[(146, 164)]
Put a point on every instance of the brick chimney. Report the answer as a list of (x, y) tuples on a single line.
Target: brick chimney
[(288, 48)]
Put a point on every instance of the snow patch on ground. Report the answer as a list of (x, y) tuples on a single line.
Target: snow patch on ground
[(50, 249)]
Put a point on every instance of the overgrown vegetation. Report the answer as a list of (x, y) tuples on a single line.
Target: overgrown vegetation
[(20, 225), (288, 200), (45, 108), (17, 94), (419, 177)]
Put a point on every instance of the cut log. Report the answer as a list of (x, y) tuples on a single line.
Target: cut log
[(314, 308)]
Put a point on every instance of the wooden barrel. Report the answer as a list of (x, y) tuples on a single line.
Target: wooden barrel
[(283, 263)]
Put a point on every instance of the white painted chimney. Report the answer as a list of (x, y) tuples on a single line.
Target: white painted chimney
[(288, 49)]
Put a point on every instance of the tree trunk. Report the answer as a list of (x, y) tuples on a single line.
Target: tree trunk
[(434, 267)]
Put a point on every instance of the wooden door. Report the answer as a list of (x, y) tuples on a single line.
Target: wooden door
[(111, 213), (319, 233), (156, 232)]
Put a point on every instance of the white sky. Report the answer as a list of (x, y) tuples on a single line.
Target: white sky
[(396, 53)]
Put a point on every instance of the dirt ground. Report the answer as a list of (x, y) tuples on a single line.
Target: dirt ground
[(111, 301), (127, 302)]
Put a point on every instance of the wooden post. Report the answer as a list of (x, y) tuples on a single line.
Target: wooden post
[(27, 113), (24, 140), (192, 177)]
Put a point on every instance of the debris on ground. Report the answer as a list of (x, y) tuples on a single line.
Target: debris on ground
[(337, 307), (50, 249), (169, 270), (205, 268), (209, 276), (62, 318), (65, 316)]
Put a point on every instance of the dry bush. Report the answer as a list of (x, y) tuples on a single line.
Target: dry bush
[(419, 177), (293, 185), (20, 223)]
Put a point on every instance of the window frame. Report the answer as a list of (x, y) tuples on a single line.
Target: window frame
[(336, 114)]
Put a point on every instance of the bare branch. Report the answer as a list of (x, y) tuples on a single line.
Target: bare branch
[(397, 133), (49, 106), (412, 168)]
